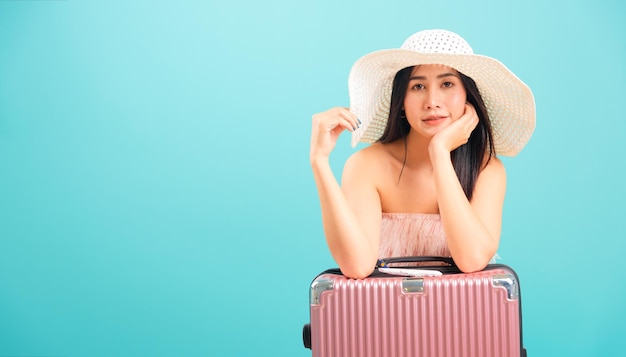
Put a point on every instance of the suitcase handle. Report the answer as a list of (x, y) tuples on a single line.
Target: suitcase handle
[(415, 259)]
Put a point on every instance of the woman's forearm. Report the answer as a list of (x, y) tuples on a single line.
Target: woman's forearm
[(350, 247), (470, 242)]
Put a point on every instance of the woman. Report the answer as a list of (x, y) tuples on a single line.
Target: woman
[(430, 184)]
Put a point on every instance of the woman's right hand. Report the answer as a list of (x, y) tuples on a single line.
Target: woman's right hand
[(327, 126)]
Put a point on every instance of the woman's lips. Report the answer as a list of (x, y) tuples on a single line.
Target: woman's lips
[(434, 120)]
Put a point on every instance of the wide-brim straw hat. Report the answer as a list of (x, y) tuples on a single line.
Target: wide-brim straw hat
[(509, 101)]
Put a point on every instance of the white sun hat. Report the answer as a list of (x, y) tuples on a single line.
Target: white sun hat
[(509, 101)]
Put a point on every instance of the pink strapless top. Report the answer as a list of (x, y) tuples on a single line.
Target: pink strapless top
[(412, 234)]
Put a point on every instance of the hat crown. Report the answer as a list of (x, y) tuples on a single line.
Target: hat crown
[(437, 41)]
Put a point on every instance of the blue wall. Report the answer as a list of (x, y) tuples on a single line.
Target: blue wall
[(155, 192)]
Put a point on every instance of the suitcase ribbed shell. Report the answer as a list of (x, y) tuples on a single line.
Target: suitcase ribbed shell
[(470, 315)]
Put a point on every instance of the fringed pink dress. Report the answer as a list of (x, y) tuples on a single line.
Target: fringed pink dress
[(412, 234)]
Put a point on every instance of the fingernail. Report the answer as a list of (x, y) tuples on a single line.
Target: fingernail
[(359, 120)]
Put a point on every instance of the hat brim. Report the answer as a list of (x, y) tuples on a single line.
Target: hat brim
[(509, 101)]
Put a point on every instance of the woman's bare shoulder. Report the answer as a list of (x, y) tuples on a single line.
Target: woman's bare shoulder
[(495, 165), (368, 165), (369, 159), (493, 172)]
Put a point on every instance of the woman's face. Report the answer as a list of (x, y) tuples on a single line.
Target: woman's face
[(435, 97)]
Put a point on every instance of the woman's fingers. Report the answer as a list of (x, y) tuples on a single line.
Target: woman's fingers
[(458, 132), (336, 117), (327, 126), (470, 120), (346, 114)]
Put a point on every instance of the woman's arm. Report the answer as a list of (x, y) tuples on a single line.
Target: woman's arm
[(472, 228), (350, 215)]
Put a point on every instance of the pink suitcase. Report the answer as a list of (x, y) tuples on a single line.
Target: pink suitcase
[(453, 314)]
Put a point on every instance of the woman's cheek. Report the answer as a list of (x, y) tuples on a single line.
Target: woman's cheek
[(459, 106)]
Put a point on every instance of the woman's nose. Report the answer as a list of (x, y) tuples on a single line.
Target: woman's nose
[(433, 99)]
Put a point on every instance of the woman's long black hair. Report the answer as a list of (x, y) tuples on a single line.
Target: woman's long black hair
[(467, 159)]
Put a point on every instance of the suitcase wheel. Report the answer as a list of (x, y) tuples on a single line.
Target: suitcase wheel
[(306, 336)]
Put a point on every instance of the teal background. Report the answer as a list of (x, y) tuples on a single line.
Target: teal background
[(155, 192)]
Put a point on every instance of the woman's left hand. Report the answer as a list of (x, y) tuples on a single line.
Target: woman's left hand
[(457, 133)]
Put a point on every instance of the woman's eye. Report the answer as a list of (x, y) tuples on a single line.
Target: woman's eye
[(448, 84), (418, 86)]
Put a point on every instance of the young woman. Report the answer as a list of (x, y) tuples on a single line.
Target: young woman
[(430, 184)]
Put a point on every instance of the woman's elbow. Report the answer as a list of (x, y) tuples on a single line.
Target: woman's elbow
[(471, 267), (473, 259), (357, 271), (471, 264)]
